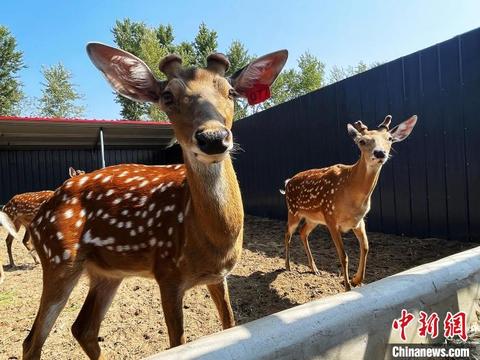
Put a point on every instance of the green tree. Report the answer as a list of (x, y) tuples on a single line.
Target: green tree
[(311, 75), (338, 73), (187, 53), (292, 83), (28, 106), (59, 96), (238, 56), (204, 44), (165, 37), (128, 35), (151, 44), (151, 50), (11, 62)]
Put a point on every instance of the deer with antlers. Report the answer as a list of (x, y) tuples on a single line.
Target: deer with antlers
[(19, 211), (338, 196), (181, 225)]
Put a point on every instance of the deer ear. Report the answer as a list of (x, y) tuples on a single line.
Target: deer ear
[(71, 171), (127, 74), (352, 131), (401, 131), (254, 80)]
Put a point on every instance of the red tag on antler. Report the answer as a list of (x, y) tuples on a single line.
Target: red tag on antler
[(259, 93)]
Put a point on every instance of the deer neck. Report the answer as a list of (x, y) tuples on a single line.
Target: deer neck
[(364, 178), (215, 200)]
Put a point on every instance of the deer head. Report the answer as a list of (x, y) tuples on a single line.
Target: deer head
[(375, 145), (198, 101)]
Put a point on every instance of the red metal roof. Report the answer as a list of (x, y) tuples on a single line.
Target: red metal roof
[(77, 120), (37, 132)]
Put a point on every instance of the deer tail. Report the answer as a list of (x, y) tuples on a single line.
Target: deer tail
[(282, 191), (8, 224)]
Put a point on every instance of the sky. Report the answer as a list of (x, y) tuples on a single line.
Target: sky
[(337, 32)]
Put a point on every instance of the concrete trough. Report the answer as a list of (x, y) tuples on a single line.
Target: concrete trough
[(357, 324)]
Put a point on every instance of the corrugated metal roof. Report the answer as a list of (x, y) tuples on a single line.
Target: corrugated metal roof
[(66, 133)]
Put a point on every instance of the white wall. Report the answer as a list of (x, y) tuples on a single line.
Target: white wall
[(351, 325)]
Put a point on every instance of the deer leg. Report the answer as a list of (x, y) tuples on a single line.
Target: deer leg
[(87, 325), (221, 298), (56, 290), (292, 224), (342, 255), (2, 273), (27, 242), (9, 241), (172, 304), (361, 235), (304, 232)]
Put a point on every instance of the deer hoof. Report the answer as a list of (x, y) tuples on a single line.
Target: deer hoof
[(356, 281)]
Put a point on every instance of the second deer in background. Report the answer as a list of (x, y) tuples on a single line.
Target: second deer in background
[(20, 210), (339, 196)]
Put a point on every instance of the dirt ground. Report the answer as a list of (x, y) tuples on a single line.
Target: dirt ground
[(134, 326)]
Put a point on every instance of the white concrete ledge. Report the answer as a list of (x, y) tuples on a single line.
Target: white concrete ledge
[(351, 325)]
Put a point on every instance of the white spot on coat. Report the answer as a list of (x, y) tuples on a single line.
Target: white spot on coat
[(66, 254)]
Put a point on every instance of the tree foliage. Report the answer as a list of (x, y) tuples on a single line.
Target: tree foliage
[(204, 44), (152, 43), (238, 56), (128, 35), (292, 83), (338, 73), (11, 62), (59, 96)]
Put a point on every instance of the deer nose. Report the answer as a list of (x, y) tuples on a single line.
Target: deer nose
[(379, 154), (212, 142)]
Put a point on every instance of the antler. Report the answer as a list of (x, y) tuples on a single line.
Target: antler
[(360, 126), (386, 123), (218, 63), (171, 65)]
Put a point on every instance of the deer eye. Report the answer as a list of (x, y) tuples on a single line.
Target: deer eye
[(362, 142), (167, 98), (390, 138), (232, 93)]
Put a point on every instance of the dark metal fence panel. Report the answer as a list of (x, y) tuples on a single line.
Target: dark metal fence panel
[(34, 170), (431, 186)]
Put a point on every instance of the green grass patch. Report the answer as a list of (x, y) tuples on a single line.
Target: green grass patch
[(7, 297)]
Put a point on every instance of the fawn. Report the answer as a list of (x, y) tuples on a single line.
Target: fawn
[(338, 196), (180, 224), (20, 210)]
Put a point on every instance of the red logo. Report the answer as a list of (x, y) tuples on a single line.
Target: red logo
[(453, 324), (429, 325), (402, 323)]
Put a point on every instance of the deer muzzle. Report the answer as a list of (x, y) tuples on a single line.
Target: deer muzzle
[(213, 141)]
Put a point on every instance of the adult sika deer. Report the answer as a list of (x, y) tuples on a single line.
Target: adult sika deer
[(339, 196), (181, 225)]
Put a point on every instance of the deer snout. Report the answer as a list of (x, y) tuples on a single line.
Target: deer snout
[(379, 154), (213, 141)]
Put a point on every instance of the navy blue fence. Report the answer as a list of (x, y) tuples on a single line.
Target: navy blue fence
[(431, 187), (45, 169)]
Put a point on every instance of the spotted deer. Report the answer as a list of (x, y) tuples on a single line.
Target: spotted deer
[(338, 196), (181, 225), (19, 211)]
